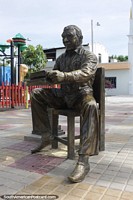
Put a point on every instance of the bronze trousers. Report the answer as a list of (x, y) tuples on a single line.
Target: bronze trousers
[(42, 98)]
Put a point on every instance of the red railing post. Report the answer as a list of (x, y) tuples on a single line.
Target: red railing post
[(3, 96), (12, 94)]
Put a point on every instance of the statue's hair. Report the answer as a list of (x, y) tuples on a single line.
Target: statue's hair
[(77, 29)]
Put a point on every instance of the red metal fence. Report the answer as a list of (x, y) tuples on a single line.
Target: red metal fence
[(11, 96), (17, 95)]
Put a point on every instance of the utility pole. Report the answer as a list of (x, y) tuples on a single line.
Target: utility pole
[(91, 35)]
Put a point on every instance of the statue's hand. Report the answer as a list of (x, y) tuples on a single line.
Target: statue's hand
[(56, 76)]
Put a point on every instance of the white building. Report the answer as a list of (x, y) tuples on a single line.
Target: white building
[(101, 52), (118, 74)]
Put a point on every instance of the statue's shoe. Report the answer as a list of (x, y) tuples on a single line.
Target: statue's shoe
[(44, 142), (79, 173)]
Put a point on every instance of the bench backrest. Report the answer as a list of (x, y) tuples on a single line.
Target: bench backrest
[(99, 85), (99, 95)]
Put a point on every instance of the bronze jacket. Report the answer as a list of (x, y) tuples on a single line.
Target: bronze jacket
[(79, 67)]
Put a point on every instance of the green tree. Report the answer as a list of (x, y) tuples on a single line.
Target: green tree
[(34, 57), (120, 58)]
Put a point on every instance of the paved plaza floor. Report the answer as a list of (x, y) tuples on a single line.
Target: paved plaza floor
[(45, 173)]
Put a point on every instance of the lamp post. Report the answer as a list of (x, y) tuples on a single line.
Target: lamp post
[(12, 62), (92, 35)]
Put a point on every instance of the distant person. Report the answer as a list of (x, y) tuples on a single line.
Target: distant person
[(75, 71)]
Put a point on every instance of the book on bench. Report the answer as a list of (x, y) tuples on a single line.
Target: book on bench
[(37, 75)]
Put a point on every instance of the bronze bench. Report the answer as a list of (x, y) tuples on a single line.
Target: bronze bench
[(69, 140)]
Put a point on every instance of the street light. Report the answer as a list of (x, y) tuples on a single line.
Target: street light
[(92, 43)]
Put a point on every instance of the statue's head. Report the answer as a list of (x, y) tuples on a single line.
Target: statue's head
[(72, 37)]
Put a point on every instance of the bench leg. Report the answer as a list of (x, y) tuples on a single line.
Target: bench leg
[(71, 136), (55, 117)]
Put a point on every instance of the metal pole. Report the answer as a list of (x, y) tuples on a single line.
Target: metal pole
[(12, 72), (92, 35), (18, 63), (3, 70), (12, 62)]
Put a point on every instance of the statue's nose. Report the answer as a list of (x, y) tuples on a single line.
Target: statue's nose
[(65, 39)]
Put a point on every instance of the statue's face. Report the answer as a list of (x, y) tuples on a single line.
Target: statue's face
[(70, 39)]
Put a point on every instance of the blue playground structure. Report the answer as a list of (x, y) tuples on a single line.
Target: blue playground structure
[(5, 75)]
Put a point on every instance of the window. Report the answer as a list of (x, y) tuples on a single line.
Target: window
[(110, 82)]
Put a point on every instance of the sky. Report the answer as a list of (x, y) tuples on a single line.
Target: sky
[(42, 21)]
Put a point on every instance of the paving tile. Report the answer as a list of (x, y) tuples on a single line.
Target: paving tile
[(22, 146), (83, 186), (98, 189), (120, 180), (118, 186), (60, 172), (26, 180), (92, 174), (77, 192), (42, 191), (50, 185), (71, 197), (129, 188), (123, 174), (37, 163), (126, 168), (127, 195), (90, 180), (21, 176), (130, 162), (93, 196), (106, 177), (97, 170), (6, 190), (102, 166), (106, 197), (113, 168), (39, 183), (103, 183), (113, 192), (15, 185), (130, 182), (110, 172), (63, 188)]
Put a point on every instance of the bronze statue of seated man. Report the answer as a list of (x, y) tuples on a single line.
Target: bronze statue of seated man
[(75, 71)]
